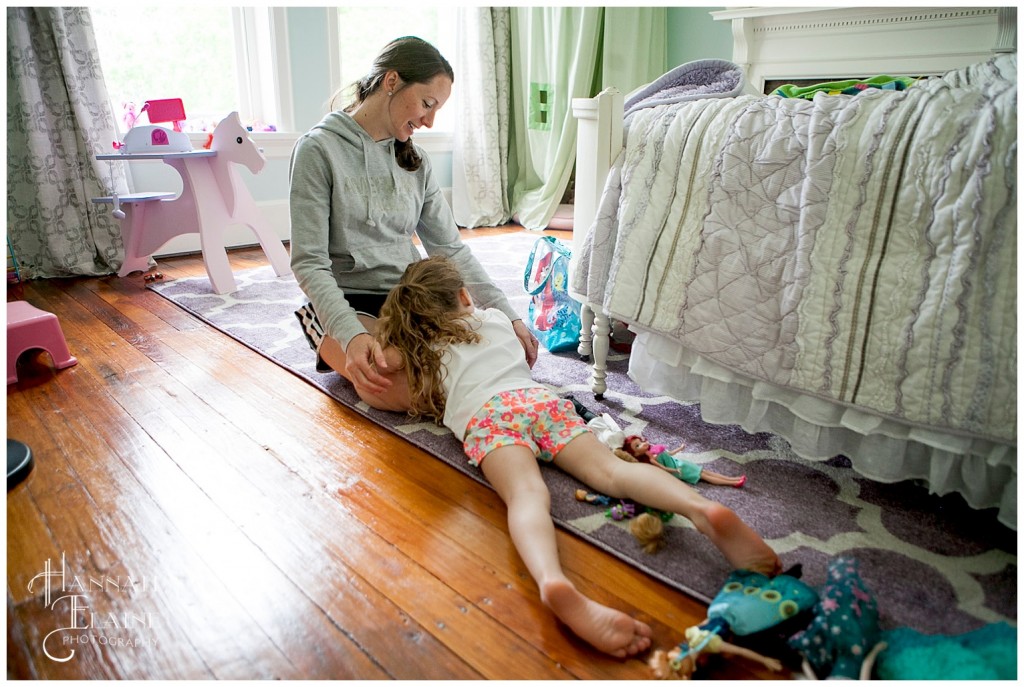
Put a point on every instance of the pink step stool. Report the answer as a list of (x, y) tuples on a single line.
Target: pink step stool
[(29, 327)]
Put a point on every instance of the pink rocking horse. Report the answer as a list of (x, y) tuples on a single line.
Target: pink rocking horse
[(212, 199)]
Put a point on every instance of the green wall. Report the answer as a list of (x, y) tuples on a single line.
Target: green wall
[(310, 63), (694, 35)]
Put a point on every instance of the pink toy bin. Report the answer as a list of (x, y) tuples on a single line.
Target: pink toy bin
[(29, 327)]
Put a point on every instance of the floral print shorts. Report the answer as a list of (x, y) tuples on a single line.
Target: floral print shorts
[(535, 418)]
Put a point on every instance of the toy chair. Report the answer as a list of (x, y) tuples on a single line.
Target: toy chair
[(29, 327)]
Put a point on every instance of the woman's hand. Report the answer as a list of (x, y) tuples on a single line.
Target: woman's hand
[(529, 341), (364, 363)]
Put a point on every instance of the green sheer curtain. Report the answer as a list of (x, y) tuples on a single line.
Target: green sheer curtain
[(561, 53)]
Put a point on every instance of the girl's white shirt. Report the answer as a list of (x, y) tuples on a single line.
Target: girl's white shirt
[(476, 373)]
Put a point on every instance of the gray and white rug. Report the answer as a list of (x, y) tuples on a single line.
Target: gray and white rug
[(933, 563)]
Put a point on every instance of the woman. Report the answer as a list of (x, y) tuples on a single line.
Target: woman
[(360, 189)]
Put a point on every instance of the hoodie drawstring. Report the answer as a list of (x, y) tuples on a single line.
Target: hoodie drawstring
[(369, 186), (370, 221)]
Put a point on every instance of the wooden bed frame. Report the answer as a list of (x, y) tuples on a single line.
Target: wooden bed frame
[(772, 44)]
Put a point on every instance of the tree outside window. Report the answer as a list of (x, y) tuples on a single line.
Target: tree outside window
[(169, 51)]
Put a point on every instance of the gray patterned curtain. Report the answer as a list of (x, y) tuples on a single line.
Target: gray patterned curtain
[(58, 119)]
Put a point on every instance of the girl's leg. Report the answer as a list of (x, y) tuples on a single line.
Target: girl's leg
[(396, 398), (515, 475), (591, 462)]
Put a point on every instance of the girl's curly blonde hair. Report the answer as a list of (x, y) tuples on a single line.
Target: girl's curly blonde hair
[(419, 320)]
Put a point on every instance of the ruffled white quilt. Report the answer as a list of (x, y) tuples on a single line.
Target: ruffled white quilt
[(851, 254)]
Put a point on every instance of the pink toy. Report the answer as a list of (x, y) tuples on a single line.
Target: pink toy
[(212, 199), (166, 110), (129, 118), (29, 327), (154, 139)]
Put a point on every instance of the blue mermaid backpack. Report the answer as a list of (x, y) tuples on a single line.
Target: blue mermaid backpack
[(553, 315)]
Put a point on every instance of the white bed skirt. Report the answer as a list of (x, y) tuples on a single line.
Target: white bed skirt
[(982, 471)]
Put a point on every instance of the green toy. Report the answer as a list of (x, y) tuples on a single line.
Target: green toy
[(988, 653)]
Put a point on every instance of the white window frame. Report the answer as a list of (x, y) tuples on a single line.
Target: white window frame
[(261, 47)]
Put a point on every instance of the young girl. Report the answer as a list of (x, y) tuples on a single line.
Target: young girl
[(465, 368), (638, 448)]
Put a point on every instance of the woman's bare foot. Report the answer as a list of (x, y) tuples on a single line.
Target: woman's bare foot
[(607, 629), (741, 545)]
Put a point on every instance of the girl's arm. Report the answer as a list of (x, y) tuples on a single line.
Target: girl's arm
[(394, 359)]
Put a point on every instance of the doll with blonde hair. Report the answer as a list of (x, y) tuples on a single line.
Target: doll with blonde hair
[(465, 369)]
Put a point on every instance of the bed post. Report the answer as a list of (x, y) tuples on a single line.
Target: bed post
[(598, 142)]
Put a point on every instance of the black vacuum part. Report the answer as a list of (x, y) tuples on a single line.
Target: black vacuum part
[(19, 462)]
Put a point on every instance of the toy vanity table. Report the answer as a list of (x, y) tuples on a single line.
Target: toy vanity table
[(212, 199)]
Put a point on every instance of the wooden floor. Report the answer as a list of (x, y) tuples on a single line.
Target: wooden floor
[(218, 517)]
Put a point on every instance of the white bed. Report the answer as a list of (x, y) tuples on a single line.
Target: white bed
[(932, 397)]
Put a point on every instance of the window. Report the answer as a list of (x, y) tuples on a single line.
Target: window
[(217, 59), (363, 31)]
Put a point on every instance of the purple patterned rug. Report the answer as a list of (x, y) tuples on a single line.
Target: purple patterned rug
[(933, 563)]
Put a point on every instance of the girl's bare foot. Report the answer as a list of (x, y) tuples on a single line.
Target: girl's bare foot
[(741, 545), (607, 629)]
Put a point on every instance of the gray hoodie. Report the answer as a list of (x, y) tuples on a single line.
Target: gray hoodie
[(353, 214)]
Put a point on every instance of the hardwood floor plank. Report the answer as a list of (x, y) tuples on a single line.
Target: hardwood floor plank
[(253, 580), (88, 548), (28, 539), (19, 655)]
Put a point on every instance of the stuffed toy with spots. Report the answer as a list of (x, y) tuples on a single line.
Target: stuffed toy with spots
[(747, 604), (845, 626), (844, 640)]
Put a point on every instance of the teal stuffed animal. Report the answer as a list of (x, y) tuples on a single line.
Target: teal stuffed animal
[(748, 603), (988, 653), (844, 640), (845, 626)]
